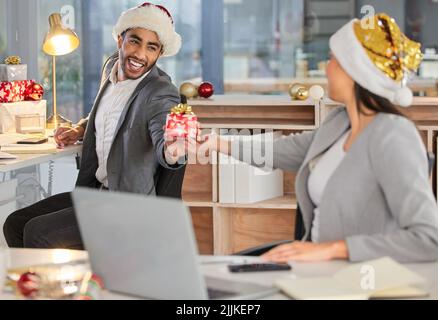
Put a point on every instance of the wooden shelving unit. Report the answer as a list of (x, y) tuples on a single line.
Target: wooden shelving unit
[(223, 228), (288, 201)]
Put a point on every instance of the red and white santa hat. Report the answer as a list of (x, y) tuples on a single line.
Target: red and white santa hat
[(154, 18)]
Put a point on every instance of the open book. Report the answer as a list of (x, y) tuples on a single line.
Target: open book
[(378, 279)]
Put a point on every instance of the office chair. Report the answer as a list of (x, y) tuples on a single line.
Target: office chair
[(169, 182), (299, 225)]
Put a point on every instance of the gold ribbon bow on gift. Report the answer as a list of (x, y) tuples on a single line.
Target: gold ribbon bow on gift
[(182, 109), (13, 60)]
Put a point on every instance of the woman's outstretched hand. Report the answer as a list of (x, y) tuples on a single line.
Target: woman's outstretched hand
[(307, 252)]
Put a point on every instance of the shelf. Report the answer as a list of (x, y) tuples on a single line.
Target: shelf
[(244, 100), (285, 202), (262, 124), (198, 199), (225, 228), (418, 101), (427, 125)]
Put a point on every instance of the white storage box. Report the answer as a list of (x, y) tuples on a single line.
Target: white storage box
[(242, 183), (254, 185), (8, 111), (227, 180)]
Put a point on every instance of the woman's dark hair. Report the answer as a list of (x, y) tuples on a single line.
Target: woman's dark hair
[(373, 102)]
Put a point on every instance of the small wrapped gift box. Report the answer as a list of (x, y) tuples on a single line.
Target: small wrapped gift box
[(14, 91), (10, 111), (13, 72), (182, 122)]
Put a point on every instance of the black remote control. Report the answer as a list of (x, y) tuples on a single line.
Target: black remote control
[(255, 267)]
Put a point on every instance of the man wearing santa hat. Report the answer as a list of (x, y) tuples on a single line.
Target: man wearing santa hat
[(123, 137)]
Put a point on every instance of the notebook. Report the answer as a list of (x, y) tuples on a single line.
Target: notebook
[(378, 279), (30, 148), (7, 156)]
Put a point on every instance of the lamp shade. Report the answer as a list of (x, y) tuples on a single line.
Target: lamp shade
[(59, 40)]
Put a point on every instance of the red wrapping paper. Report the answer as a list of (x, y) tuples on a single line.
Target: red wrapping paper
[(14, 91)]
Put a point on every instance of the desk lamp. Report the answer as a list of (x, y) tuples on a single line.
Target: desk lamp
[(58, 41)]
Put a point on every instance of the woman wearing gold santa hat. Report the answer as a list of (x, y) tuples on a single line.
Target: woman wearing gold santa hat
[(362, 182)]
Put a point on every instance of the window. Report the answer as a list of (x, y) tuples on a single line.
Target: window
[(78, 74), (2, 29), (270, 44), (261, 38)]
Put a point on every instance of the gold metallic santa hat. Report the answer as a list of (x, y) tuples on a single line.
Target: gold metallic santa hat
[(378, 56), (154, 18)]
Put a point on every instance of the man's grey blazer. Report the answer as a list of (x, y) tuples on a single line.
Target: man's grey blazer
[(379, 199), (138, 146)]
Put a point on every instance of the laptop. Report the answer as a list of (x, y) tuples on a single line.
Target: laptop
[(145, 247)]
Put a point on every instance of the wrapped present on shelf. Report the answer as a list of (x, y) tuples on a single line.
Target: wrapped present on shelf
[(10, 111), (14, 91), (182, 122), (13, 70)]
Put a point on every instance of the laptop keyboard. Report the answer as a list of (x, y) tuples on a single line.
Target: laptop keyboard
[(217, 294)]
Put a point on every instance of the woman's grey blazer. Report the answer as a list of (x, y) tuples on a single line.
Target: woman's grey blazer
[(379, 200)]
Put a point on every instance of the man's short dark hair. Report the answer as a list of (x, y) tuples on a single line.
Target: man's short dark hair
[(124, 33)]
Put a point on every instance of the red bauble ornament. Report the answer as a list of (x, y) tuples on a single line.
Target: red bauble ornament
[(206, 90), (34, 92), (28, 284)]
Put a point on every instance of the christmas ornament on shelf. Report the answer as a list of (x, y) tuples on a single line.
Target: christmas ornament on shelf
[(189, 90), (182, 122), (34, 92), (298, 92), (316, 92), (206, 89), (301, 92)]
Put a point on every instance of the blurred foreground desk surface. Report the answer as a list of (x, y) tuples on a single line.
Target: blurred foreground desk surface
[(216, 266), (33, 158)]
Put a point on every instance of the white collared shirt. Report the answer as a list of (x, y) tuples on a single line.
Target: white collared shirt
[(319, 177), (110, 108)]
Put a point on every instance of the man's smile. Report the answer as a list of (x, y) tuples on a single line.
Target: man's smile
[(135, 65)]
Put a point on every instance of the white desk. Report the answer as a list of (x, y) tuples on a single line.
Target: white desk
[(217, 266), (26, 160), (56, 171)]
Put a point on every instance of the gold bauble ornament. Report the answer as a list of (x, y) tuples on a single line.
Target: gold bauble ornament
[(298, 92), (189, 90)]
